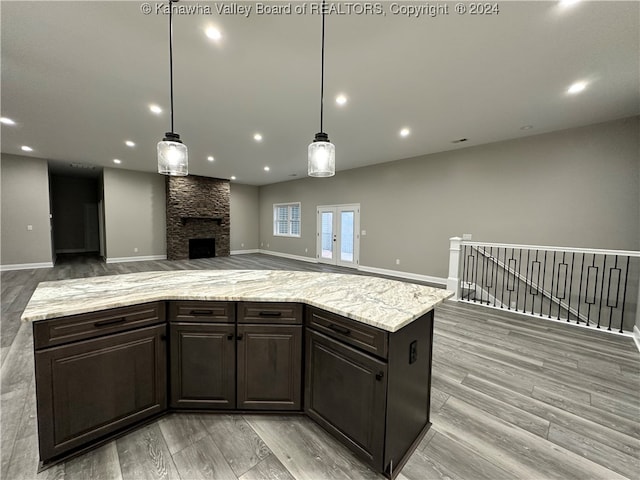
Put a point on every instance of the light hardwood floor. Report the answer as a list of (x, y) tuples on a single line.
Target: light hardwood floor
[(513, 397)]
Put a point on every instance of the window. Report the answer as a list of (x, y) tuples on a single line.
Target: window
[(286, 219)]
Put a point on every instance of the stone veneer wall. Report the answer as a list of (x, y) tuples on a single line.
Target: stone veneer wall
[(194, 196)]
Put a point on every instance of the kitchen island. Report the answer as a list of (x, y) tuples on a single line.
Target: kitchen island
[(351, 352)]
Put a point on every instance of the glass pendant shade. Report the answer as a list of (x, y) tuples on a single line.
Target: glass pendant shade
[(173, 157), (322, 157)]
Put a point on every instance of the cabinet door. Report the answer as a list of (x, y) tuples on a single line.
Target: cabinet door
[(203, 365), (346, 393), (91, 388), (269, 367)]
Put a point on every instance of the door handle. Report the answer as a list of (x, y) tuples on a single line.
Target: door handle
[(230, 336), (111, 321), (379, 376), (339, 329), (239, 337)]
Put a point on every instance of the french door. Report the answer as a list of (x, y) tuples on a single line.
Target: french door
[(338, 237)]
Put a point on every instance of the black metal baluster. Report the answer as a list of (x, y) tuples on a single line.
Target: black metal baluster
[(604, 267), (624, 294), (475, 275), (553, 274), (611, 307), (526, 283), (518, 279), (504, 274), (580, 290), (464, 270), (544, 273), (573, 254), (494, 267)]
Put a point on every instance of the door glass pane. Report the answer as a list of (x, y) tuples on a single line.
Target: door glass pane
[(327, 235), (346, 236)]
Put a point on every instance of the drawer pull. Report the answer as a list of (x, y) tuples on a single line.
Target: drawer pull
[(270, 314), (201, 312), (339, 329), (111, 321)]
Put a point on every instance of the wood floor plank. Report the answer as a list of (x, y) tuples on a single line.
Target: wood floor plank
[(589, 448), (616, 422), (12, 405), (99, 464), (602, 431), (144, 455), (270, 468), (497, 408), (461, 462), (521, 453), (307, 451), (438, 398), (238, 442), (181, 430), (203, 460)]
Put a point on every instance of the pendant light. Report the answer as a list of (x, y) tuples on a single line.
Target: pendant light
[(172, 153), (322, 153)]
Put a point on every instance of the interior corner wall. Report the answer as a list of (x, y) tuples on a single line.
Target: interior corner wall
[(245, 217), (573, 188), (24, 201), (134, 215)]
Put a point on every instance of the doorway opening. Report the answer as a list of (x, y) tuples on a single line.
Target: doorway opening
[(77, 220), (338, 235)]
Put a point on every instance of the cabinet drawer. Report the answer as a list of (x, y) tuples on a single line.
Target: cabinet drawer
[(198, 311), (270, 312), (354, 333), (47, 333)]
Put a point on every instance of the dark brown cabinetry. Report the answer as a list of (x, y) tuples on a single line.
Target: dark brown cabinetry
[(90, 388), (254, 365), (368, 387)]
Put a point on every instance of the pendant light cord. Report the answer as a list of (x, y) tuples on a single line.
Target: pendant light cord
[(322, 70), (171, 59)]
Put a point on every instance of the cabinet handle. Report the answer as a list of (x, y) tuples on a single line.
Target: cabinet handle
[(201, 312), (339, 329), (239, 337), (163, 338), (230, 336), (111, 321), (379, 376), (270, 314)]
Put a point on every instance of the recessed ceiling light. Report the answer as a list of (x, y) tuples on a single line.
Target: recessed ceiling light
[(118, 161), (210, 158), (129, 143), (405, 132), (213, 33), (233, 177), (341, 99), (266, 169), (577, 88), (460, 140), (257, 137), (568, 3), (155, 109), (526, 127), (26, 148), (7, 121)]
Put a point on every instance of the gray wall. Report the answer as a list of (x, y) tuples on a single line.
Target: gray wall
[(134, 206), (577, 188), (245, 218), (25, 201)]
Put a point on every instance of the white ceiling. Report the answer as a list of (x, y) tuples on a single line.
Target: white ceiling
[(78, 78)]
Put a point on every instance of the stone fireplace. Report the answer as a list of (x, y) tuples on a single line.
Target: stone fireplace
[(197, 211)]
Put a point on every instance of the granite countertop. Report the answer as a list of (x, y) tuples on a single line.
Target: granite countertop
[(382, 303)]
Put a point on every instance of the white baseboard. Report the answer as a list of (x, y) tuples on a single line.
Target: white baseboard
[(288, 255), (244, 252), (636, 336), (405, 275), (135, 259), (25, 266)]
